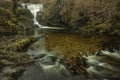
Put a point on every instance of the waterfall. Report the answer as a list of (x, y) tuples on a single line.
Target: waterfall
[(34, 9), (47, 66)]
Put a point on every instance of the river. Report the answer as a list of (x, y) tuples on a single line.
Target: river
[(47, 64)]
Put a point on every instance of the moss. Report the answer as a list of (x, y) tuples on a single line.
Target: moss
[(16, 58), (116, 32), (103, 28), (24, 12), (22, 45), (7, 22), (5, 14), (6, 4)]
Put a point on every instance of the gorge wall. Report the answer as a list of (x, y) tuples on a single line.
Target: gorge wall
[(93, 17)]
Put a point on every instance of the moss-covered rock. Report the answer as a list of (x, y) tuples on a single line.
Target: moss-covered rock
[(13, 62), (12, 65), (23, 12), (23, 44), (7, 22), (6, 4), (13, 23)]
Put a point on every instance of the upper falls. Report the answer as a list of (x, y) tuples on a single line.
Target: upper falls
[(34, 9)]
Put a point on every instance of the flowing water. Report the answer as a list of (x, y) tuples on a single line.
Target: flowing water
[(47, 65), (34, 9)]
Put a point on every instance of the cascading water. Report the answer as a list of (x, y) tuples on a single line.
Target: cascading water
[(34, 8), (47, 66), (104, 66)]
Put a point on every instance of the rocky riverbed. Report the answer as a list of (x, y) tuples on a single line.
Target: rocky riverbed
[(76, 47)]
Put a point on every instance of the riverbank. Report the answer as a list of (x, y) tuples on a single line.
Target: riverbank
[(13, 57)]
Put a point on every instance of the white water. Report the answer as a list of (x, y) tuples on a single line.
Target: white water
[(104, 66), (47, 69), (34, 9), (47, 65)]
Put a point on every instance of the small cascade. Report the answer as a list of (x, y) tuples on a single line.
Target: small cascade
[(34, 9), (47, 65), (36, 34), (104, 66)]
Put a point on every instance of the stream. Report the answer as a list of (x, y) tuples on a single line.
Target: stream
[(47, 66)]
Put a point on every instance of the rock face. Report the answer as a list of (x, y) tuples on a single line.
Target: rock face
[(14, 23)]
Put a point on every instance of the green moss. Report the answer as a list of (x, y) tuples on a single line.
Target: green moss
[(22, 45), (103, 28), (116, 32), (15, 59), (8, 22), (5, 14)]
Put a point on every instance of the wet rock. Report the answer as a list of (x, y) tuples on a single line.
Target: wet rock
[(46, 71), (23, 44), (4, 78), (104, 66), (11, 73), (6, 62), (8, 70)]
